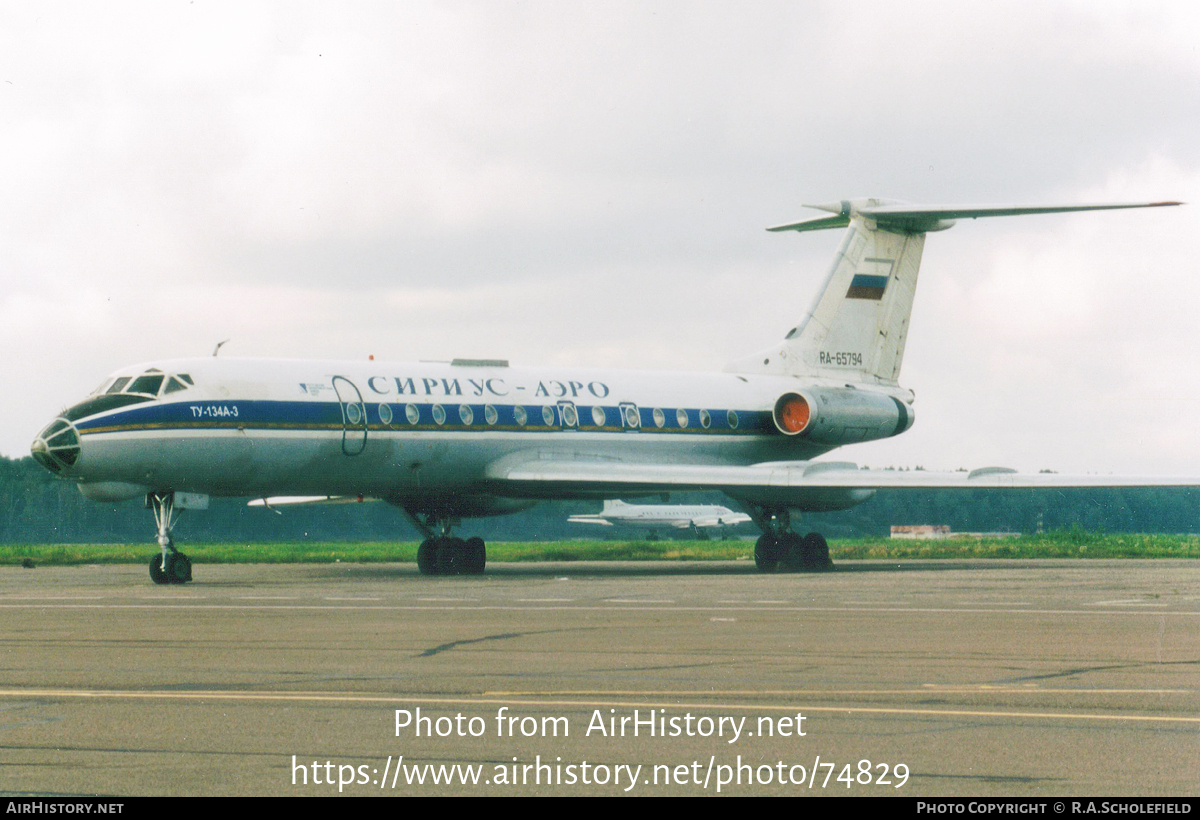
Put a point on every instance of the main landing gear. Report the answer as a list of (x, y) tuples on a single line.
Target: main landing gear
[(444, 555), (451, 556), (172, 566), (780, 549)]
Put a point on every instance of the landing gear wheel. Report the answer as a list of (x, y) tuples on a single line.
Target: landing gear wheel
[(791, 552), (814, 553), (450, 555), (427, 557), (475, 554), (766, 553), (156, 570), (181, 568), (169, 566)]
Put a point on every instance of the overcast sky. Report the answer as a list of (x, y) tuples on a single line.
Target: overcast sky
[(588, 183)]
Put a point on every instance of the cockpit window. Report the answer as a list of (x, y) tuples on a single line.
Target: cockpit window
[(118, 384), (174, 385), (185, 378), (101, 403), (147, 385)]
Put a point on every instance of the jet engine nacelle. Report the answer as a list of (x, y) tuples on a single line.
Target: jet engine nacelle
[(841, 415)]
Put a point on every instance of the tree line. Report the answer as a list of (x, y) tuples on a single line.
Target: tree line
[(35, 507)]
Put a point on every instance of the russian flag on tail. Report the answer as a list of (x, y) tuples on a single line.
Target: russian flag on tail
[(866, 286)]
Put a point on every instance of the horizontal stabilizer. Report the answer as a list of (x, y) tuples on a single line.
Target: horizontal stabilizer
[(903, 216), (819, 223)]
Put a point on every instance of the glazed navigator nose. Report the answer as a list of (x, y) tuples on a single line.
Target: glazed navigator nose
[(57, 447)]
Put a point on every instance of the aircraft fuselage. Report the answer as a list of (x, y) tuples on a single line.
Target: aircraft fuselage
[(247, 427)]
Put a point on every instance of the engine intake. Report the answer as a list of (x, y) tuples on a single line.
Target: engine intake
[(792, 414), (841, 415)]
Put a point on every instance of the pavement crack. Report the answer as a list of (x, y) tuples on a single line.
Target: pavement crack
[(1083, 670), (504, 636), (1067, 673)]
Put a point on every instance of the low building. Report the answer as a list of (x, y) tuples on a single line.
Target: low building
[(930, 532)]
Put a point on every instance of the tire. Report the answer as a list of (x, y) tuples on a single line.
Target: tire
[(427, 557), (156, 571), (791, 552), (476, 556), (814, 553), (451, 553), (766, 553), (181, 569)]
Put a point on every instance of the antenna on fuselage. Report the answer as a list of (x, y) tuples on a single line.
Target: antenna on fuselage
[(217, 349)]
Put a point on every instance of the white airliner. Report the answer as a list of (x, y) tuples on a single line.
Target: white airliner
[(476, 437), (693, 517)]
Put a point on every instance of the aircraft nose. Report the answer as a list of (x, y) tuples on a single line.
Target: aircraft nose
[(57, 447)]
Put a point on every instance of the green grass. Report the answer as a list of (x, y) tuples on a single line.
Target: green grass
[(1068, 544)]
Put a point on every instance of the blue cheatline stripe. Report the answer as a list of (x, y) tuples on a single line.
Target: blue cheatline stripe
[(311, 415)]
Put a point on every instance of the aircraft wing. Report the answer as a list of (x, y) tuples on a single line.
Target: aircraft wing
[(301, 500), (589, 519), (776, 482), (730, 520)]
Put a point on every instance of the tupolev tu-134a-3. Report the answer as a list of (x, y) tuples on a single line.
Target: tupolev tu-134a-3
[(477, 437)]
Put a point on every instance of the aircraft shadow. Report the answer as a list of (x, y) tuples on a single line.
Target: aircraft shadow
[(626, 569)]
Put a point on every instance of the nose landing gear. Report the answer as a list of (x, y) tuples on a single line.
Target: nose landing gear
[(172, 566)]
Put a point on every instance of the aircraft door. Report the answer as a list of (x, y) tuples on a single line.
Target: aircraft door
[(631, 419), (354, 416), (568, 416)]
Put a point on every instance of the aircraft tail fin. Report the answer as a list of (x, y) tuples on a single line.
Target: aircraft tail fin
[(857, 326)]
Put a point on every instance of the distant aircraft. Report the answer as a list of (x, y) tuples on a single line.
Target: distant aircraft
[(681, 516), (475, 437)]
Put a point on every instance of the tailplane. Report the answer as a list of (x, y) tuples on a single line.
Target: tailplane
[(858, 324)]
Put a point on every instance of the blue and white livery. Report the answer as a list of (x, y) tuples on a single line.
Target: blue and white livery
[(475, 437)]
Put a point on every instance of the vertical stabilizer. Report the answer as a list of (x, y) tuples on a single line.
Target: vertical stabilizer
[(857, 326)]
